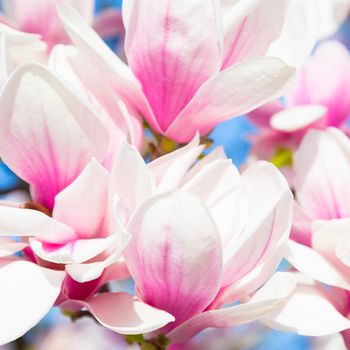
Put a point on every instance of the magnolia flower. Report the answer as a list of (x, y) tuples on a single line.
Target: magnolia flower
[(210, 217), (56, 143), (195, 64), (40, 17), (319, 99), (321, 226)]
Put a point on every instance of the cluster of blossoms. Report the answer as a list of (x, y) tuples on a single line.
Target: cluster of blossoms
[(200, 241)]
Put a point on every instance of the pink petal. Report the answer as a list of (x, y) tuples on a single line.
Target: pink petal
[(74, 252), (48, 138), (122, 313), (331, 64), (83, 206), (269, 201), (309, 311), (250, 27), (28, 292), (90, 271), (258, 276), (213, 181), (301, 228), (170, 56), (230, 226), (130, 178), (27, 222), (173, 235), (121, 120), (322, 170), (330, 239), (314, 265), (217, 154), (298, 118), (170, 169), (85, 7), (114, 71), (299, 33), (18, 48), (40, 17), (269, 298), (234, 91)]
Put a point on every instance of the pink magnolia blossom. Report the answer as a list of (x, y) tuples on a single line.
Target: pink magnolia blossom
[(40, 17), (202, 237), (54, 141), (321, 230), (319, 99), (195, 64)]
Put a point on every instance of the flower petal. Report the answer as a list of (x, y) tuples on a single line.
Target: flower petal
[(230, 226), (41, 122), (269, 298), (170, 169), (27, 222), (74, 252), (330, 239), (330, 63), (163, 46), (213, 181), (17, 48), (322, 170), (130, 178), (119, 118), (270, 217), (250, 27), (113, 70), (90, 271), (173, 235), (234, 91), (258, 276), (297, 118), (314, 265), (122, 313), (82, 205), (40, 17), (217, 154), (299, 33), (27, 293), (309, 311), (302, 225)]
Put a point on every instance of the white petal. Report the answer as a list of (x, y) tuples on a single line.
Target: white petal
[(27, 294)]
